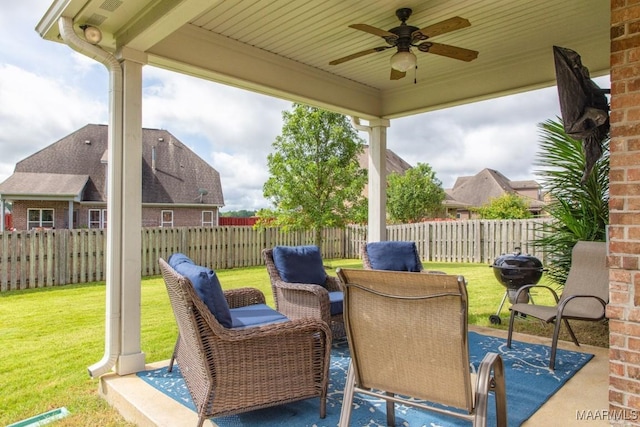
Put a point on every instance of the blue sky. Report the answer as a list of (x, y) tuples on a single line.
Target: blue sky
[(48, 91)]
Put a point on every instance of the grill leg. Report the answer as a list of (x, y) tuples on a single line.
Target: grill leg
[(504, 298), (495, 318)]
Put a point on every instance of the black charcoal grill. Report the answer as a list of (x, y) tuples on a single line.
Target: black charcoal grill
[(514, 271)]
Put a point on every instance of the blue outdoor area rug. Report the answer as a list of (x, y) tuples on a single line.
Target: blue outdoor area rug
[(529, 384)]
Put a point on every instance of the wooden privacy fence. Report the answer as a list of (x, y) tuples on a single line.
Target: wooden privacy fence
[(470, 241), (42, 258)]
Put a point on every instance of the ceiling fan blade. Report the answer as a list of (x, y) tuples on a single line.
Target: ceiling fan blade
[(373, 30), (358, 55), (450, 51), (397, 75), (441, 27)]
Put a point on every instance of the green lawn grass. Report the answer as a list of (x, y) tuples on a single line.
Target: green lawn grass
[(50, 336)]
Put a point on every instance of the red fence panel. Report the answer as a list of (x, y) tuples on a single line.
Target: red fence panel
[(233, 220)]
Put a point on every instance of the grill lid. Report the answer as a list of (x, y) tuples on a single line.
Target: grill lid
[(516, 270), (517, 261)]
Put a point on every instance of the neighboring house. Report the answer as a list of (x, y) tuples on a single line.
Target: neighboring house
[(394, 163), (65, 184), (468, 192), (474, 191)]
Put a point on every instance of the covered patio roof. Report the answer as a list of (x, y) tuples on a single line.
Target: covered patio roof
[(283, 47)]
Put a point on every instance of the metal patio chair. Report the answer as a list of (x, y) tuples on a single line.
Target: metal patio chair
[(408, 338), (584, 297)]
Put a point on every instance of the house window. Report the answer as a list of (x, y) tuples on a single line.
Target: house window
[(207, 219), (40, 218), (166, 219), (97, 218)]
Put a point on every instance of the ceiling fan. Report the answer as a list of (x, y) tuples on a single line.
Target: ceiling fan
[(404, 37)]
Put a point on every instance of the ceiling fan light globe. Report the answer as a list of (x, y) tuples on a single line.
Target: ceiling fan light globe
[(403, 61)]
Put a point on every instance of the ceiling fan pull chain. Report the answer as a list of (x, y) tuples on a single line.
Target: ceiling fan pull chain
[(415, 75)]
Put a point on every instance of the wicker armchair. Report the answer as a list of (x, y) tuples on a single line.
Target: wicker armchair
[(421, 320), (228, 371), (302, 300)]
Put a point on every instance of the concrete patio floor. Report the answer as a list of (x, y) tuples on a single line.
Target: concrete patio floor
[(586, 392)]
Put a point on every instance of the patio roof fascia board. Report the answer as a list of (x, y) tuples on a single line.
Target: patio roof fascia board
[(233, 63), (47, 27)]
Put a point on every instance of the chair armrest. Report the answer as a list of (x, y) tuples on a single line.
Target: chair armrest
[(217, 331), (491, 378), (303, 287), (242, 297), (333, 284), (299, 300), (274, 330), (564, 303), (523, 288)]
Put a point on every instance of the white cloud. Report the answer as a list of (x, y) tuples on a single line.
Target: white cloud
[(500, 134), (233, 129), (36, 111), (242, 180), (230, 119)]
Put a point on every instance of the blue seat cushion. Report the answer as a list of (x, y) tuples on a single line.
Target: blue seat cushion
[(255, 315), (206, 284), (336, 302), (394, 256), (300, 264)]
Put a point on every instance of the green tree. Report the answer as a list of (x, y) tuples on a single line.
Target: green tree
[(242, 213), (507, 206), (414, 195), (581, 211), (316, 180)]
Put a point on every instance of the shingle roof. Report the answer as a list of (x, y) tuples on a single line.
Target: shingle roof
[(26, 184), (394, 162), (488, 184), (178, 175)]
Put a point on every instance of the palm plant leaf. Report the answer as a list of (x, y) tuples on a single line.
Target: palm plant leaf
[(580, 210)]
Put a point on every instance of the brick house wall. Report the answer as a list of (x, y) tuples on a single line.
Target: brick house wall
[(624, 207), (20, 207), (151, 217), (182, 217)]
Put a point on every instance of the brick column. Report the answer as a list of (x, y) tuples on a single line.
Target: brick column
[(624, 208)]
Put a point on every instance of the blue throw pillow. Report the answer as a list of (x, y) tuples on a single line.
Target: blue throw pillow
[(300, 264), (206, 284), (394, 256)]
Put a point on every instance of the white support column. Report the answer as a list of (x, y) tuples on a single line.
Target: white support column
[(70, 219), (377, 224), (131, 358), (2, 214)]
